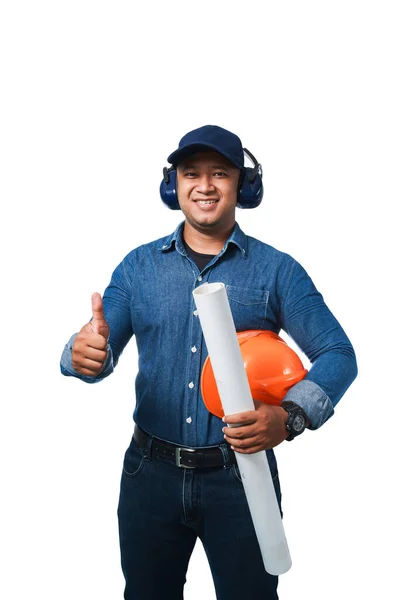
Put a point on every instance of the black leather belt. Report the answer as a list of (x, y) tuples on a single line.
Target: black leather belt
[(189, 458)]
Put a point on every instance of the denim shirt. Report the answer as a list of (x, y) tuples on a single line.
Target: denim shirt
[(150, 296)]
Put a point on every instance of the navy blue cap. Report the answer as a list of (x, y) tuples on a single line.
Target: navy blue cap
[(210, 137)]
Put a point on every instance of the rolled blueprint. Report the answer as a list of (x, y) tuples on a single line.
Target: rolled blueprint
[(223, 347)]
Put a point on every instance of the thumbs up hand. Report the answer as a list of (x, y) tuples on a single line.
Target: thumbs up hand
[(89, 350)]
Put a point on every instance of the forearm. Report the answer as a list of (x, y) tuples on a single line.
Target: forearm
[(328, 379), (116, 307)]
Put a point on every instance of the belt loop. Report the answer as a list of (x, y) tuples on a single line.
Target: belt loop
[(147, 450), (225, 454)]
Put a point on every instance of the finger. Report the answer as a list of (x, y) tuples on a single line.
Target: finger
[(96, 341), (93, 366), (243, 418), (97, 307), (244, 442), (88, 372), (93, 340), (96, 354), (240, 432)]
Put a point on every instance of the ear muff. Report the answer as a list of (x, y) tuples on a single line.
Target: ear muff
[(250, 188), (168, 189)]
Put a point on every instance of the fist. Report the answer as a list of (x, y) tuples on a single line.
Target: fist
[(89, 350)]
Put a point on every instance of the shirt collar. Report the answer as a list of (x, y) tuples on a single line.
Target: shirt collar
[(237, 237), (166, 243)]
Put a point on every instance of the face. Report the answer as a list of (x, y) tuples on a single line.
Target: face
[(207, 191)]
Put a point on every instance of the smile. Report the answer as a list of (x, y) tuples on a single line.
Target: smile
[(206, 202)]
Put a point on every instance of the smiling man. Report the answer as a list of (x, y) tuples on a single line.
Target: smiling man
[(180, 479)]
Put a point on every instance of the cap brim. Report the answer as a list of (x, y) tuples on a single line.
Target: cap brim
[(179, 155)]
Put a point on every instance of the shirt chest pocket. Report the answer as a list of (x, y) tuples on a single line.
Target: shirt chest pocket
[(248, 306)]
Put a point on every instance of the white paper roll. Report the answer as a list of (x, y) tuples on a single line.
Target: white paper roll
[(226, 359)]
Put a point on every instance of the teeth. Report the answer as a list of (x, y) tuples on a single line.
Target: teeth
[(205, 202)]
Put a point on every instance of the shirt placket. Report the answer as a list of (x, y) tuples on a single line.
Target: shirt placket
[(193, 393)]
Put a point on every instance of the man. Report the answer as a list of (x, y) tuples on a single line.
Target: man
[(169, 497)]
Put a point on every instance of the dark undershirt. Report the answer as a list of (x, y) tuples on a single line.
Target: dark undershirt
[(201, 260)]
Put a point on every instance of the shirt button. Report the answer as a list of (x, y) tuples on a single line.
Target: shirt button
[(195, 312), (199, 278), (193, 349), (189, 420), (191, 385)]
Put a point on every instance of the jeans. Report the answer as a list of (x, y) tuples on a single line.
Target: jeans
[(163, 509)]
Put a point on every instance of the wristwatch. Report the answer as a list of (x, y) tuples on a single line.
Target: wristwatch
[(296, 421)]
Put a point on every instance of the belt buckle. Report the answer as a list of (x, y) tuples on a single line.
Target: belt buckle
[(178, 457)]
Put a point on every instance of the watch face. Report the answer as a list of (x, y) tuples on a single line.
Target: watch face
[(298, 423)]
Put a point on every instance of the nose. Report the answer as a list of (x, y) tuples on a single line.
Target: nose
[(205, 184)]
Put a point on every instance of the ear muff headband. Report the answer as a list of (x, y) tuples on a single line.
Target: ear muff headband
[(250, 189)]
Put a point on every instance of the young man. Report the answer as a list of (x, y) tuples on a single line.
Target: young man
[(169, 495)]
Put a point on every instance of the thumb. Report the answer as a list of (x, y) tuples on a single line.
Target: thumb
[(97, 307), (99, 323)]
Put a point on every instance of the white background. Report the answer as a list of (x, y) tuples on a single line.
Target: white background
[(94, 97)]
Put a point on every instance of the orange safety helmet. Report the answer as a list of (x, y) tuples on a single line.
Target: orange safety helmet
[(272, 367)]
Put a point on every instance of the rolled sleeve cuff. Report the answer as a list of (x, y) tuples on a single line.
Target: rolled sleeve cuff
[(68, 370), (313, 400)]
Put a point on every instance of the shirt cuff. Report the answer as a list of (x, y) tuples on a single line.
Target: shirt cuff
[(68, 370), (313, 400)]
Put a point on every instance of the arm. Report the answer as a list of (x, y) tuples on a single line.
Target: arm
[(307, 319), (310, 323), (116, 306)]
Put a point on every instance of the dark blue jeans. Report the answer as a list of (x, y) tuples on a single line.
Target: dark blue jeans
[(163, 509)]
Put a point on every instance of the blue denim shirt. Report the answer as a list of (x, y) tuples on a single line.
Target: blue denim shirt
[(150, 296)]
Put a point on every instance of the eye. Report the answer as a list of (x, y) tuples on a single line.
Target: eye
[(220, 174), (190, 174)]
